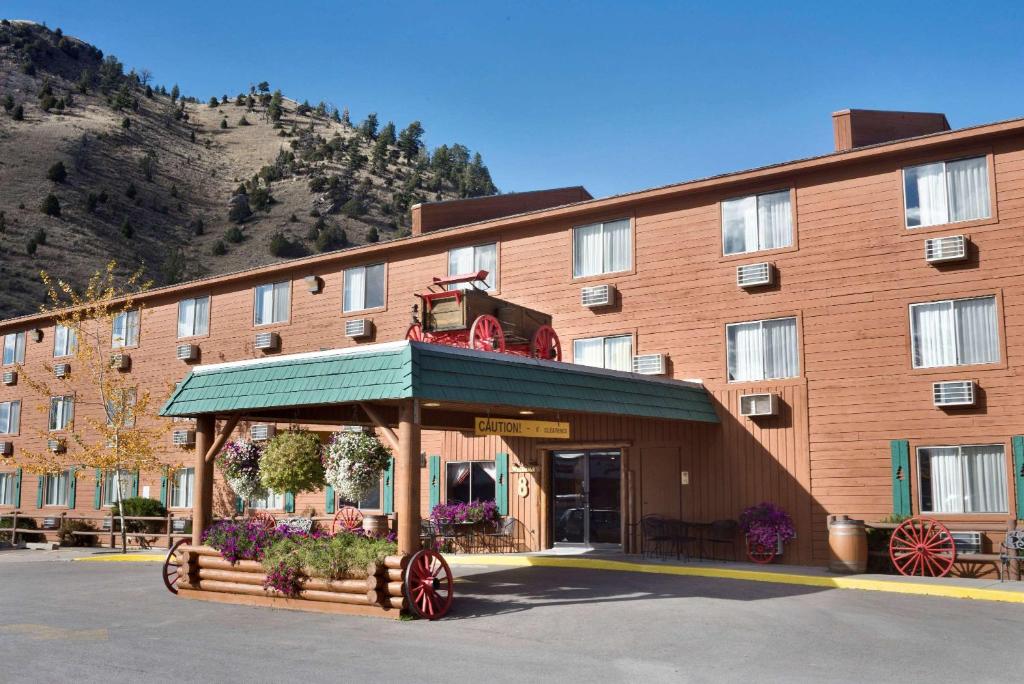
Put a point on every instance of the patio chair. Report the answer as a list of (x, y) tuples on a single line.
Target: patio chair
[(682, 539), (1011, 551), (503, 538), (656, 535), (722, 533), (428, 534)]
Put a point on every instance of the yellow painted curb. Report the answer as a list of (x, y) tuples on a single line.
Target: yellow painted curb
[(123, 558), (898, 587)]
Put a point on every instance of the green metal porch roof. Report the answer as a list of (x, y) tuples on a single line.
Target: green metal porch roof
[(404, 370)]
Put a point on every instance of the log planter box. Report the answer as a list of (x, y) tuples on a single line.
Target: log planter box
[(204, 575)]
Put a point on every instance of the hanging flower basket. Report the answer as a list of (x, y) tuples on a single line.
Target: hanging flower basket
[(354, 462), (240, 464), (767, 527), (291, 463)]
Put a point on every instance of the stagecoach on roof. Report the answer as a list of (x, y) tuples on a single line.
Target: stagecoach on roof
[(459, 312)]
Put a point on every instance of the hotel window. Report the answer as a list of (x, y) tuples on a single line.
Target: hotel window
[(181, 487), (602, 248), (470, 481), (272, 501), (10, 417), (272, 303), (7, 481), (370, 502), (193, 317), (946, 192), (125, 331), (112, 481), (762, 350), (613, 353), (963, 479), (64, 341), (364, 288), (757, 222), (14, 348), (62, 413), (467, 260), (122, 411), (55, 488), (956, 332)]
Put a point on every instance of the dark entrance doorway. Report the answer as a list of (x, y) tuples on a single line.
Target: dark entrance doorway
[(586, 498)]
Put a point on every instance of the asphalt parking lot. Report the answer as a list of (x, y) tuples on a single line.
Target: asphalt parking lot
[(114, 622)]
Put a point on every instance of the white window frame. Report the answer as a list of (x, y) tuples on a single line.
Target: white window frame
[(10, 424), (605, 269), (945, 190), (276, 317), (69, 338), (65, 413), (176, 489), (492, 275), (764, 349), (361, 504), (7, 481), (196, 330), (359, 303), (112, 479), (481, 463), (760, 235), (15, 343), (271, 499), (56, 489), (956, 331), (604, 350), (125, 329), (960, 448)]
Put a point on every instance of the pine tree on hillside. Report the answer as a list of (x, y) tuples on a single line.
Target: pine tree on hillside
[(410, 141), (387, 134), (175, 93), (368, 128)]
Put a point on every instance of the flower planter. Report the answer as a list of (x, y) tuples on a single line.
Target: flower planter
[(203, 574), (761, 553)]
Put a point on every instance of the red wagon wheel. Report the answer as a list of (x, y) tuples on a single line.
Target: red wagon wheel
[(263, 519), (414, 333), (486, 334), (428, 585), (545, 344), (761, 553), (171, 565), (922, 547), (348, 518)]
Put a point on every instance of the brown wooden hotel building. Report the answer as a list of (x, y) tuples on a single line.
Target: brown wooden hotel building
[(886, 269)]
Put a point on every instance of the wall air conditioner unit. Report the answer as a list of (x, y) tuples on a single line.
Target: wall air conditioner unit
[(649, 364), (10, 377), (953, 393), (967, 542), (753, 405), (6, 448), (945, 249), (360, 327), (183, 438), (755, 275), (597, 295), (62, 370), (268, 341), (121, 361), (261, 433), (313, 284), (57, 446), (187, 352)]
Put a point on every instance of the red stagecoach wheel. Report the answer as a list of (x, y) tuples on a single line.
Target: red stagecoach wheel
[(545, 344), (428, 585), (263, 519), (171, 565), (348, 518), (486, 334), (922, 547), (414, 333), (761, 553)]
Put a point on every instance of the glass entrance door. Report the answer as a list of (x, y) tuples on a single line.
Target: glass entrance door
[(586, 497)]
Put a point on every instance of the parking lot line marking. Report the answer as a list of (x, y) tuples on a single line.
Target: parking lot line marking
[(122, 558), (893, 586)]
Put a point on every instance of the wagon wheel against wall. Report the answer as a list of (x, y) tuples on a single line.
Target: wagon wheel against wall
[(428, 585), (486, 334), (922, 547), (761, 553), (264, 519), (348, 518), (171, 565), (545, 344), (414, 333)]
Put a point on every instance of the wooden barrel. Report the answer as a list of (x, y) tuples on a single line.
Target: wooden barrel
[(376, 525), (847, 545)]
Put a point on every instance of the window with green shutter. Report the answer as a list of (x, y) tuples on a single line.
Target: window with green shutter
[(434, 469), (501, 482), (329, 499), (1018, 473), (388, 505), (899, 451)]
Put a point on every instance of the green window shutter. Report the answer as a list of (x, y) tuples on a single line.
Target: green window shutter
[(239, 505), (289, 502), (1018, 473), (39, 491), (72, 486), (389, 488), (163, 489), (17, 488), (329, 499), (135, 483), (501, 482), (97, 496), (435, 481), (900, 452)]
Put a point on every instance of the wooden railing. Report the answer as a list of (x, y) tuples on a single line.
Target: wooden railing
[(109, 527)]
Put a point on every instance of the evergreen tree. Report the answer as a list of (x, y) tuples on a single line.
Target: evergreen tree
[(8, 103), (219, 248), (274, 109), (50, 205), (57, 172), (368, 128), (387, 134), (345, 120), (213, 102), (372, 235), (126, 229), (263, 87), (18, 114), (410, 141), (175, 93)]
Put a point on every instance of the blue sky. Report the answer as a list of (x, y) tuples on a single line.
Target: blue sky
[(613, 96)]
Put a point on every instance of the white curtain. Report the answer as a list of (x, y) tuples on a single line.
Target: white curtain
[(933, 335), (355, 289), (282, 299), (186, 317), (745, 351), (618, 247), (485, 258), (374, 296), (985, 473), (264, 304), (589, 352), (967, 183), (586, 250), (780, 349), (184, 479), (57, 489), (202, 316), (775, 220), (946, 475), (739, 225), (925, 191), (460, 262), (61, 341), (618, 353), (6, 489), (977, 330), (5, 417)]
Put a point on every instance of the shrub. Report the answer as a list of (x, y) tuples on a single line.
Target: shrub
[(18, 114), (260, 199), (288, 558), (291, 463), (198, 226), (237, 541), (8, 103), (330, 238), (234, 235), (68, 538), (127, 230), (92, 200), (6, 523), (39, 237), (30, 247), (213, 103), (372, 235), (141, 506), (242, 121), (223, 123), (57, 173), (130, 192), (219, 248), (50, 205)]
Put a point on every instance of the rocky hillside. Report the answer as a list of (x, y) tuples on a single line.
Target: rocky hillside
[(99, 162)]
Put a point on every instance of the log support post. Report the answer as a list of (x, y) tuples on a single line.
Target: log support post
[(407, 478), (202, 496)]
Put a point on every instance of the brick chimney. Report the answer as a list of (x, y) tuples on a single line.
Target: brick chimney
[(860, 127)]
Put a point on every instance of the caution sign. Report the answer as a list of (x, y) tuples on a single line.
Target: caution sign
[(510, 427)]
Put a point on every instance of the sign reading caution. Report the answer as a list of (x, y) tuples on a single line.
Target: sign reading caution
[(510, 427)]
